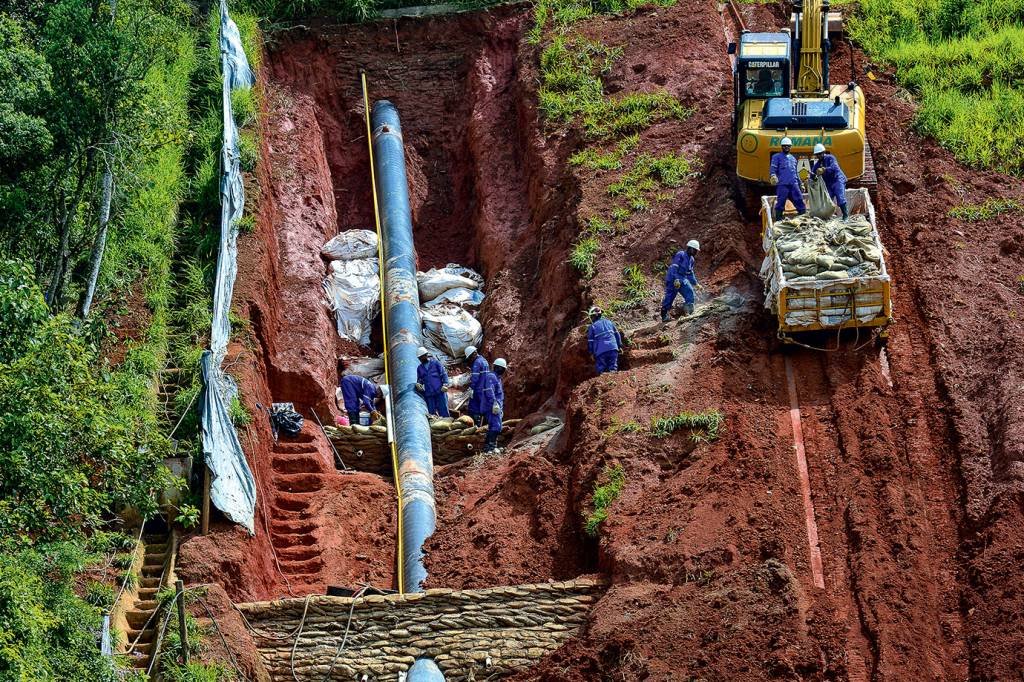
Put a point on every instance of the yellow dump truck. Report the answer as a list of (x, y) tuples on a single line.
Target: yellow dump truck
[(825, 275)]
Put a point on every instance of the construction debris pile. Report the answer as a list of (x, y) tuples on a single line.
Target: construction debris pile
[(813, 249), (450, 299), (352, 284), (366, 447)]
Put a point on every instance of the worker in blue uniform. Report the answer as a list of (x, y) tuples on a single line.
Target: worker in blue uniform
[(478, 367), (432, 382), (826, 167), (359, 394), (604, 341), (786, 179), (493, 393), (680, 279)]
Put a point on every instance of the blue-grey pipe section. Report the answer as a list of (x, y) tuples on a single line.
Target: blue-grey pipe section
[(425, 670), (402, 310)]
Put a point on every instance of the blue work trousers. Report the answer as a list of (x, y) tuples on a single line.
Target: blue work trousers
[(437, 404), (607, 362), (792, 193), (671, 291)]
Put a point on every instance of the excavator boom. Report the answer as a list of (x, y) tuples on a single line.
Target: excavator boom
[(813, 24)]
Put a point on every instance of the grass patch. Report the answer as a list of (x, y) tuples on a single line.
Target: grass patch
[(988, 209), (962, 61), (635, 284), (704, 426), (647, 176), (593, 159), (603, 497), (618, 426), (584, 256)]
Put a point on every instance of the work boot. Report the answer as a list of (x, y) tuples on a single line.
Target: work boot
[(688, 309), (846, 211), (664, 315)]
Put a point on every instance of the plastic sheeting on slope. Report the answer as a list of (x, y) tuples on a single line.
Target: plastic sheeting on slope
[(232, 487)]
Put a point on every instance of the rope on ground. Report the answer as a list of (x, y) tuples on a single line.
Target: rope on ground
[(298, 635), (223, 640), (348, 624), (128, 574)]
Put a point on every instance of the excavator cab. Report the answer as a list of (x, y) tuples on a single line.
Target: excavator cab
[(781, 89)]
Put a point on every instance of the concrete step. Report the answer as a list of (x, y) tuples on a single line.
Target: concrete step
[(143, 636)]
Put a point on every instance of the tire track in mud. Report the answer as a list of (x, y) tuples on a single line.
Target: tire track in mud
[(884, 510)]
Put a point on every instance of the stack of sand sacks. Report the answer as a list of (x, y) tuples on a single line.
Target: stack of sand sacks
[(813, 249)]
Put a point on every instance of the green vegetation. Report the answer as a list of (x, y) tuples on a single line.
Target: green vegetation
[(584, 254), (647, 176), (617, 426), (704, 426), (593, 159), (83, 91), (986, 210), (635, 284), (962, 60), (604, 495)]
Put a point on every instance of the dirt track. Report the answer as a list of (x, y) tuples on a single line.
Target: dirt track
[(917, 484)]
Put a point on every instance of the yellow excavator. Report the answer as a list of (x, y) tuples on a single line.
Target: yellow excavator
[(776, 97)]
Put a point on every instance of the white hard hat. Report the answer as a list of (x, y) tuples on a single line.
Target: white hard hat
[(819, 148), (595, 310), (500, 362), (470, 350), (421, 351), (786, 142), (693, 244)]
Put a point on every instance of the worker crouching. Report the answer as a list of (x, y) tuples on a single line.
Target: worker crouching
[(603, 341), (432, 382), (680, 279), (359, 394), (494, 403)]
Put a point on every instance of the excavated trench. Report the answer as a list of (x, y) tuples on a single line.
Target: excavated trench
[(915, 482), (483, 194)]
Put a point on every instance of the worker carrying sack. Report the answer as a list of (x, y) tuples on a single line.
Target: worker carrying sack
[(819, 203), (286, 420)]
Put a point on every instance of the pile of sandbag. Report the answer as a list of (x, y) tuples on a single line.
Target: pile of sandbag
[(450, 298), (352, 284), (812, 249)]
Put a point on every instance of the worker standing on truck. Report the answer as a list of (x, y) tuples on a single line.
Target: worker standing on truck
[(432, 382), (478, 367), (359, 394), (494, 403), (680, 278), (603, 341), (787, 180), (827, 168)]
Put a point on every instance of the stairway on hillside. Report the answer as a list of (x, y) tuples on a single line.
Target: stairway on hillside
[(142, 620), (298, 476), (168, 385)]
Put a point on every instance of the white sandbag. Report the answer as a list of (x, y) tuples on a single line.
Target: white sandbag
[(819, 203), (351, 245), (434, 282), (353, 292), (460, 296), (371, 368), (449, 329), (463, 271)]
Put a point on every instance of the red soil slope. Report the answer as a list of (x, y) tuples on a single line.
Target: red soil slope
[(916, 482)]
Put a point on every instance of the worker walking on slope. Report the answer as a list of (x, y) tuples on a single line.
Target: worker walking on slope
[(478, 367), (432, 382), (604, 341), (827, 168), (787, 180), (680, 278), (494, 403), (359, 394)]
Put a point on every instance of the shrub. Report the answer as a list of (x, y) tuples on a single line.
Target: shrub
[(603, 497), (583, 256)]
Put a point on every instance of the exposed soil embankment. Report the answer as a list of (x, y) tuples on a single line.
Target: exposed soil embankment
[(915, 475)]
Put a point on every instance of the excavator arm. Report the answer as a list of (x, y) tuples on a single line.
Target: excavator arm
[(811, 24)]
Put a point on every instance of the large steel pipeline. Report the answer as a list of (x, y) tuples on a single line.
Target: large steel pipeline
[(402, 304)]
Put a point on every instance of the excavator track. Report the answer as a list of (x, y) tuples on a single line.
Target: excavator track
[(869, 180)]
